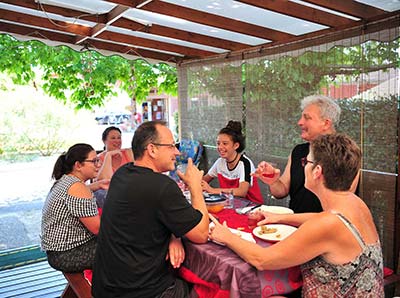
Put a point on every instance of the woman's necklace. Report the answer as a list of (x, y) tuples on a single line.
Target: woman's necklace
[(233, 160)]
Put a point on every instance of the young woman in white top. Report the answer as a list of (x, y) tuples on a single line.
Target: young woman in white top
[(233, 169)]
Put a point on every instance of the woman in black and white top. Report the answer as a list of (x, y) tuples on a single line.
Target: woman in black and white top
[(70, 219)]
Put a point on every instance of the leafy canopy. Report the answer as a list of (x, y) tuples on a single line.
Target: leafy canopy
[(85, 78)]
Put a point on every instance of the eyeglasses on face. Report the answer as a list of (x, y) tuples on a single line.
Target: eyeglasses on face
[(172, 146), (304, 161), (96, 161)]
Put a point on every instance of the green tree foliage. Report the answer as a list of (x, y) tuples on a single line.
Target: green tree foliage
[(31, 122), (84, 78), (293, 77)]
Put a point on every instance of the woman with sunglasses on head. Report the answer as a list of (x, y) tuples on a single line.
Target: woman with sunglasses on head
[(113, 156), (70, 220)]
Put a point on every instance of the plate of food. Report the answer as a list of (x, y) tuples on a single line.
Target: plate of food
[(275, 209), (273, 232)]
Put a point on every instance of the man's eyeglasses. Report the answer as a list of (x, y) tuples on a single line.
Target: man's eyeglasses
[(172, 146), (304, 161), (96, 161)]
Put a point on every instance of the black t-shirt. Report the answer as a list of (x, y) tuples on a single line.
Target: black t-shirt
[(301, 199), (142, 210)]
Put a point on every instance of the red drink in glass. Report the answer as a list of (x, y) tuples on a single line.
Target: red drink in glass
[(253, 218), (268, 175)]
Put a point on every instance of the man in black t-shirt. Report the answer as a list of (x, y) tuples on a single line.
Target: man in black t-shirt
[(143, 209), (319, 116)]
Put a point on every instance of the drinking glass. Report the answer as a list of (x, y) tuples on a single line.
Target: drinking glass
[(270, 175), (253, 218), (228, 195), (182, 167)]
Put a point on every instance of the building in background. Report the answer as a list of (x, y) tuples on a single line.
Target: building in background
[(159, 107)]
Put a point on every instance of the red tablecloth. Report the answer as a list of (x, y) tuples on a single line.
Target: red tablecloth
[(233, 219), (218, 272)]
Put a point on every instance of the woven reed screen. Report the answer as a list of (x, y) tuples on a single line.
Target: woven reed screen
[(264, 92)]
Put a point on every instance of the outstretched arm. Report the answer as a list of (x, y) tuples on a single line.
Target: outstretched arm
[(316, 237)]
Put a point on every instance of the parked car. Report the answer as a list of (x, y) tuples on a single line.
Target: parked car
[(112, 118)]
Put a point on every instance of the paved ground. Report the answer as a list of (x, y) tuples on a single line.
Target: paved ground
[(24, 187)]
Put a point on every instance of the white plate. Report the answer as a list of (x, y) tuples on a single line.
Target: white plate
[(275, 209), (282, 232), (244, 235)]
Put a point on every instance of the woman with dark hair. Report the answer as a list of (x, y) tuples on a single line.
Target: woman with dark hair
[(233, 168), (113, 156), (70, 220)]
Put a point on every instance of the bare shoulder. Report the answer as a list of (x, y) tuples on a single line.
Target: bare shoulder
[(324, 224), (80, 190), (356, 210)]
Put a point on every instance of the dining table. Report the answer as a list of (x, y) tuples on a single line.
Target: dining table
[(218, 272)]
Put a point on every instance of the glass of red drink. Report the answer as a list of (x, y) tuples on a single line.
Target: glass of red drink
[(271, 173), (253, 218)]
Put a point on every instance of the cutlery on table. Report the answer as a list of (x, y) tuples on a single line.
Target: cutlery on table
[(246, 209)]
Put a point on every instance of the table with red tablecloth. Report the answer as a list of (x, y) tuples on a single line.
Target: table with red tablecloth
[(218, 272)]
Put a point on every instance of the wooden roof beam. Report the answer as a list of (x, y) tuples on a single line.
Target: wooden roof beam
[(83, 33), (68, 40), (131, 25), (300, 11), (31, 20), (127, 50), (350, 7), (149, 43), (96, 30), (37, 33), (132, 3), (116, 13), (31, 4), (212, 20), (181, 35)]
